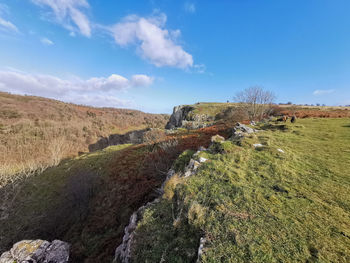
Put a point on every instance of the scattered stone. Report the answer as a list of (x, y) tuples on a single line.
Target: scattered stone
[(280, 150), (202, 242), (253, 123), (123, 251), (202, 159), (217, 138), (258, 145), (37, 251), (241, 130)]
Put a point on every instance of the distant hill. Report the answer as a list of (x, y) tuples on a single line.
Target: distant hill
[(36, 132)]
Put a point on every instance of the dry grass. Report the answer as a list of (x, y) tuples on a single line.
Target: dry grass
[(37, 132)]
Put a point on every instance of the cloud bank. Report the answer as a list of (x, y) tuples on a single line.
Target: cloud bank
[(69, 13), (97, 91), (153, 42)]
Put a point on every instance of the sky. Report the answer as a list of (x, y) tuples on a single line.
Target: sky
[(152, 55)]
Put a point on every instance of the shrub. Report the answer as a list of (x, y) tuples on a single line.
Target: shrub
[(153, 136), (183, 160)]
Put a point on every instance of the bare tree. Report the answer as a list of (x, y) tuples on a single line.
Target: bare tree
[(256, 101)]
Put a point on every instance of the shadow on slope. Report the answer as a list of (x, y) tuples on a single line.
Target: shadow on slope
[(87, 201)]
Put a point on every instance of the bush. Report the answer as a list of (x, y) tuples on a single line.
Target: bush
[(183, 160), (153, 136)]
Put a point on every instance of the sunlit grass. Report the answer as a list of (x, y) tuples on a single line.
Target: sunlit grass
[(261, 205)]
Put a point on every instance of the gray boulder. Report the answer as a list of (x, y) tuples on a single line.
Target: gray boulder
[(37, 251), (179, 114)]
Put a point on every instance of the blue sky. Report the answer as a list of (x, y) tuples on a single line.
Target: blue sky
[(154, 54)]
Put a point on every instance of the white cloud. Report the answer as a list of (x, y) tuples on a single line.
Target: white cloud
[(97, 91), (190, 7), (46, 41), (99, 101), (153, 41), (7, 25), (68, 12), (323, 92), (200, 68), (141, 80)]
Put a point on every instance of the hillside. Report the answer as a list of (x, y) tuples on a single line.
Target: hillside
[(38, 132), (284, 201), (87, 200), (285, 198), (203, 114)]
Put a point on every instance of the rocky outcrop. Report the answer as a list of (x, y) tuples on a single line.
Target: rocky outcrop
[(123, 251), (37, 251), (183, 117), (134, 137), (241, 130), (179, 114)]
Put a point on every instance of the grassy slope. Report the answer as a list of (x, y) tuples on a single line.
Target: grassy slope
[(47, 205), (260, 206), (215, 109)]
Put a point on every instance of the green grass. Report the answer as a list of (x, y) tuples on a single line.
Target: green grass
[(260, 205), (211, 108)]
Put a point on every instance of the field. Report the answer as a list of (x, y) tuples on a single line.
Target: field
[(259, 205)]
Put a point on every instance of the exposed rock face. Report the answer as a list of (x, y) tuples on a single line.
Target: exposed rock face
[(37, 251), (179, 114), (134, 137), (183, 117)]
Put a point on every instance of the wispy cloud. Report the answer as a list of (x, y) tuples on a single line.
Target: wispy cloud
[(323, 91), (190, 7), (69, 13), (96, 91), (6, 25), (46, 41), (154, 43)]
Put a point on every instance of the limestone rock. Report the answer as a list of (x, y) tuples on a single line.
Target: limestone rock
[(217, 138), (37, 251), (179, 114), (241, 130)]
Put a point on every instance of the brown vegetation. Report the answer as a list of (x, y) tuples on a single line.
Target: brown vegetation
[(88, 201), (37, 132)]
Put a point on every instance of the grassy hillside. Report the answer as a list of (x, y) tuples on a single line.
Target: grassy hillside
[(220, 111), (88, 200), (36, 132), (259, 205)]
